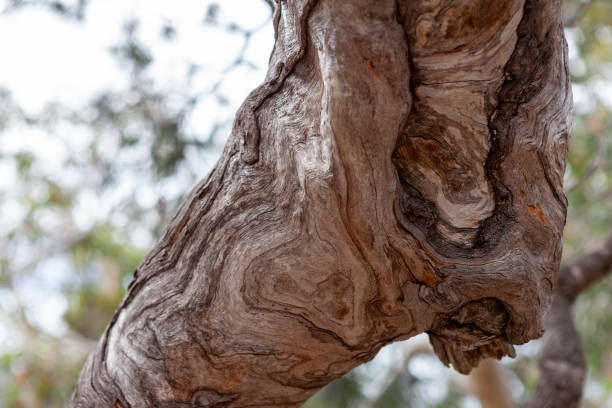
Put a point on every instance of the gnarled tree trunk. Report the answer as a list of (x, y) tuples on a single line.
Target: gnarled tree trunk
[(399, 171)]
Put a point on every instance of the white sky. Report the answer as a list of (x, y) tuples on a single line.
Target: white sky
[(47, 58)]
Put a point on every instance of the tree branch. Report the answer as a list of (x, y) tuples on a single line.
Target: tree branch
[(562, 364), (579, 275), (307, 249), (489, 385)]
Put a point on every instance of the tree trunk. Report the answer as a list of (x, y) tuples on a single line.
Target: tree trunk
[(399, 171)]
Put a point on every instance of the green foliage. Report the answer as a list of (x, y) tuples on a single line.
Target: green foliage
[(589, 181), (92, 301), (39, 376)]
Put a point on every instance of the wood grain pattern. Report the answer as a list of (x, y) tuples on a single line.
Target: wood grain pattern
[(399, 171)]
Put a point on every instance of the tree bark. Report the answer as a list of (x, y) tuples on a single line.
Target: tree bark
[(399, 171)]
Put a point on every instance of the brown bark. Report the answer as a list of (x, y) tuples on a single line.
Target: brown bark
[(399, 171), (562, 365)]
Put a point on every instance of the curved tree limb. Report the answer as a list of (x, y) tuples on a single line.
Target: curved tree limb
[(562, 365), (399, 171)]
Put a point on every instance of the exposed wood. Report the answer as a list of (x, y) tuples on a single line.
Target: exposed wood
[(399, 171)]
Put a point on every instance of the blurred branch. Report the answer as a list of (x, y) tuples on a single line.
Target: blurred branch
[(240, 56), (270, 3), (562, 364), (579, 275), (76, 11), (489, 385)]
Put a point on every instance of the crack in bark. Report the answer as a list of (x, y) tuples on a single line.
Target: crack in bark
[(427, 220)]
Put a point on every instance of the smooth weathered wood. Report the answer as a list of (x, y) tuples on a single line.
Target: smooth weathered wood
[(399, 171)]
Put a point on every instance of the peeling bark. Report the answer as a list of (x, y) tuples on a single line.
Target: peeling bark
[(399, 171)]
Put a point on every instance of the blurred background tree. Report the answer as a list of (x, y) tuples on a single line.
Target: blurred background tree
[(111, 110)]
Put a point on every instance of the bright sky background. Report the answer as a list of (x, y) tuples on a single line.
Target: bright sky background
[(47, 58)]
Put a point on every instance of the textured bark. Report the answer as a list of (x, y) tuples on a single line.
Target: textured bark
[(399, 171), (562, 365)]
